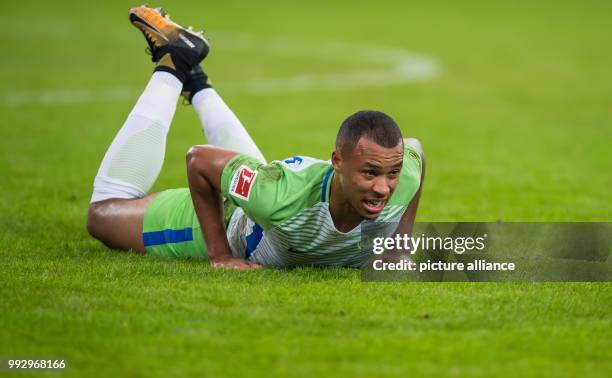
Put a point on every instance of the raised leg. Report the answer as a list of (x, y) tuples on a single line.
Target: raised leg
[(221, 126), (131, 165), (134, 159)]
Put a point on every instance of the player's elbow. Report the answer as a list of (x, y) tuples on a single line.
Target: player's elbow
[(196, 152), (203, 167), (208, 160), (197, 159)]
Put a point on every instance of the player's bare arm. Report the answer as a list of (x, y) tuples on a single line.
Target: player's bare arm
[(204, 168)]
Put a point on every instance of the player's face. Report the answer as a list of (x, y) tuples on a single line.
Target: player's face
[(369, 175)]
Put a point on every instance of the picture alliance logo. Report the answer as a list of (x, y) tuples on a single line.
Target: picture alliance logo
[(412, 244)]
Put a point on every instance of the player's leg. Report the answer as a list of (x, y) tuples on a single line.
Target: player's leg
[(131, 165), (134, 159), (220, 125), (118, 222)]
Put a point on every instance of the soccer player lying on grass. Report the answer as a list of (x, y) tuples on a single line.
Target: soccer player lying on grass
[(239, 211)]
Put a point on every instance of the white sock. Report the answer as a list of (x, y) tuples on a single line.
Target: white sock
[(134, 159), (221, 126)]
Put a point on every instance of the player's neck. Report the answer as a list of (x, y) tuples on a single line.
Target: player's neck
[(344, 216)]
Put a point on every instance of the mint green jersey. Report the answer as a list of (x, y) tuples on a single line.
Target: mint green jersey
[(283, 216), (277, 214)]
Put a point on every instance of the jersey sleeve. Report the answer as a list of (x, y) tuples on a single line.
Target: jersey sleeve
[(410, 179), (268, 193)]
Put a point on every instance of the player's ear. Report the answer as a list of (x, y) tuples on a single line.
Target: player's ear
[(336, 160)]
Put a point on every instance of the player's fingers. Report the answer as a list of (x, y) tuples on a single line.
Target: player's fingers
[(237, 264), (247, 265), (234, 264), (228, 265), (254, 265), (250, 266)]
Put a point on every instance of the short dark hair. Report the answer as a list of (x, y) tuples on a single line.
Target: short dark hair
[(376, 126)]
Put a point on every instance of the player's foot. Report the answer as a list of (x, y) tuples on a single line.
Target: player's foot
[(195, 82), (174, 48)]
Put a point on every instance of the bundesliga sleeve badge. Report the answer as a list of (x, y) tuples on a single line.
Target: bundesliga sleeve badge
[(242, 182)]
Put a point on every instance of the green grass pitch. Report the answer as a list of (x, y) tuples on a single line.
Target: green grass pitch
[(516, 125)]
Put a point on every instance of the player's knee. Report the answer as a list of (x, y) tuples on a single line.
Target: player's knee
[(94, 220)]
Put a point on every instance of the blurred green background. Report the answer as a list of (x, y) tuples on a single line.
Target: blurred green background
[(515, 115)]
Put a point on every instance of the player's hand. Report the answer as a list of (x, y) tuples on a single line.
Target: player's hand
[(234, 263)]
